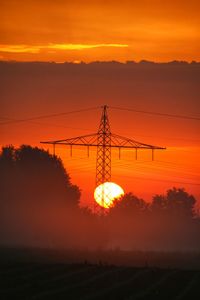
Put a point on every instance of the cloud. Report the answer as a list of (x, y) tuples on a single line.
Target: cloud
[(84, 46), (38, 48), (19, 49)]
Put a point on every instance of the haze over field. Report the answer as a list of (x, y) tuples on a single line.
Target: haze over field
[(40, 208)]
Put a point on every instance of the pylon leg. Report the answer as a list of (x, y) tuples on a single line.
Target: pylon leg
[(103, 161)]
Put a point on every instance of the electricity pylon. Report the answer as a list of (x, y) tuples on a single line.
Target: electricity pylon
[(103, 161), (104, 140)]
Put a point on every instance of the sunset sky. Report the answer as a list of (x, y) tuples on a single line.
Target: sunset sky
[(88, 31)]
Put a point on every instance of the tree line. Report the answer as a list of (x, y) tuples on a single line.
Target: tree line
[(36, 192)]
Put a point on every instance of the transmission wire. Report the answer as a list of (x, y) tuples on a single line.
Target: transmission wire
[(156, 113), (50, 115)]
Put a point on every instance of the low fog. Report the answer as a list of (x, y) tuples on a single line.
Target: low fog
[(40, 208)]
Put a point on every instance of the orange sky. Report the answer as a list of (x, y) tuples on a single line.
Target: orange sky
[(178, 165), (90, 30)]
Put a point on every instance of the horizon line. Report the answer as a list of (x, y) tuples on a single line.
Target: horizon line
[(77, 62)]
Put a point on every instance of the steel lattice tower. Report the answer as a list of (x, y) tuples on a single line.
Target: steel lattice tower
[(104, 140), (103, 161)]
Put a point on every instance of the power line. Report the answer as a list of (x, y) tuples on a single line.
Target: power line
[(157, 113), (160, 180), (87, 166), (120, 163), (50, 115), (44, 124), (167, 137), (85, 169), (97, 107), (155, 172), (159, 168), (87, 129)]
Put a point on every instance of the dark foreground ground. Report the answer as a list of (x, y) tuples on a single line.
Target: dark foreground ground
[(50, 280)]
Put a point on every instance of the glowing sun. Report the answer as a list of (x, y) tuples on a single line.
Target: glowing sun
[(106, 193)]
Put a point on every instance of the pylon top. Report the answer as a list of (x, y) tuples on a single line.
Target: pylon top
[(92, 139)]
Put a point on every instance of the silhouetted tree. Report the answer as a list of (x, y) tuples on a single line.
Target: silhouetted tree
[(176, 203), (32, 174), (174, 221), (129, 205)]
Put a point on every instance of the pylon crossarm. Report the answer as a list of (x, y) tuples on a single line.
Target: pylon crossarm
[(90, 140), (118, 141), (84, 140)]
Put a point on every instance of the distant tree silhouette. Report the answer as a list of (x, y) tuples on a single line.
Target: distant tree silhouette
[(38, 201), (32, 174), (129, 205), (176, 203), (169, 222)]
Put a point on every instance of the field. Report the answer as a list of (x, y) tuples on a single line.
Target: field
[(50, 280), (85, 281)]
